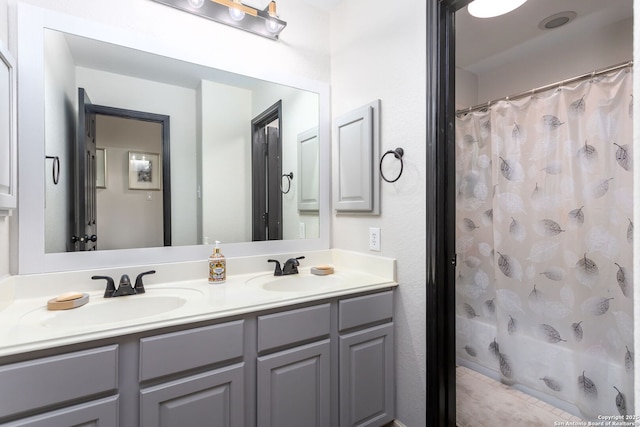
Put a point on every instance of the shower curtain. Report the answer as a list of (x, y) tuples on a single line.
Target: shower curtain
[(544, 241)]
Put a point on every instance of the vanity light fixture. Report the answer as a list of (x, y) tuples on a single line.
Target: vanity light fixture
[(492, 8), (265, 23)]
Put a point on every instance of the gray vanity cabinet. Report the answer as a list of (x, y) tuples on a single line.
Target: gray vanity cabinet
[(98, 413), (214, 397), (316, 364), (367, 385), (62, 390), (293, 383)]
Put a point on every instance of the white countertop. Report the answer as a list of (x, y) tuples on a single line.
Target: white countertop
[(26, 324)]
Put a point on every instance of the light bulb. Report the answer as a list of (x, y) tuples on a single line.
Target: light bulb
[(236, 14), (196, 3), (272, 25), (492, 8)]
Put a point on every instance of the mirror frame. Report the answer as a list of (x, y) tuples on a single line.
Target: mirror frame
[(30, 256)]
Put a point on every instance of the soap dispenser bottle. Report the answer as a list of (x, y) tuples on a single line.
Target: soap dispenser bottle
[(217, 266)]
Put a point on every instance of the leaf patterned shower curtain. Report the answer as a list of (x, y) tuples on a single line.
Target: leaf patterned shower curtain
[(544, 242)]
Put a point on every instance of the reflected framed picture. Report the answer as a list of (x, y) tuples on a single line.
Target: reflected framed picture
[(101, 168), (144, 171)]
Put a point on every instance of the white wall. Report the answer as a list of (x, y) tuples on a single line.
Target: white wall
[(595, 49), (226, 158), (384, 57), (61, 98)]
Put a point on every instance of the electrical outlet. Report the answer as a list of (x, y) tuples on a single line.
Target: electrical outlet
[(374, 239), (302, 231)]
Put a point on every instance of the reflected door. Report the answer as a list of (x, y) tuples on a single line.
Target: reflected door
[(85, 227), (266, 174)]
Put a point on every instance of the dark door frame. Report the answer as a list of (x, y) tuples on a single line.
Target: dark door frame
[(166, 158), (265, 210), (440, 212)]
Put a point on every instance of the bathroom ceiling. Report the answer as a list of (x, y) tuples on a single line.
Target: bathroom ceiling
[(482, 44)]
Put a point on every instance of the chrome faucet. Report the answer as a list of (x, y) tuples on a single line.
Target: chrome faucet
[(124, 287), (290, 266)]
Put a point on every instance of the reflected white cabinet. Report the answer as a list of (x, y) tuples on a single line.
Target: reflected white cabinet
[(357, 150), (8, 133), (308, 170)]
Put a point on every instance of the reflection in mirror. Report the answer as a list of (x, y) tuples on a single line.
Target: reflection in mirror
[(210, 152)]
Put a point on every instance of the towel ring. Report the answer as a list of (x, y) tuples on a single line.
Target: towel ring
[(397, 153), (289, 177), (56, 169)]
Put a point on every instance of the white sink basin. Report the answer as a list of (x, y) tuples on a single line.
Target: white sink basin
[(101, 310), (295, 282)]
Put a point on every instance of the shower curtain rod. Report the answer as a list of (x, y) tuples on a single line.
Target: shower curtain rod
[(546, 87)]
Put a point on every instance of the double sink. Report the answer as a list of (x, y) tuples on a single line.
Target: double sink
[(161, 301)]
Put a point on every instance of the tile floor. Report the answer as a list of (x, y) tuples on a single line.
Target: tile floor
[(484, 402)]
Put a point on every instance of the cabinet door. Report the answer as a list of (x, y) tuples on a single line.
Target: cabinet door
[(102, 413), (214, 398), (367, 377), (293, 387)]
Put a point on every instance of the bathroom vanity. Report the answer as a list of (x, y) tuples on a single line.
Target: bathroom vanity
[(257, 351)]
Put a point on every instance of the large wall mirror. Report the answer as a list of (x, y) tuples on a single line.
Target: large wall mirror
[(191, 122)]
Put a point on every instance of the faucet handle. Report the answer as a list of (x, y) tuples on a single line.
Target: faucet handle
[(291, 266), (278, 270), (139, 286), (111, 287)]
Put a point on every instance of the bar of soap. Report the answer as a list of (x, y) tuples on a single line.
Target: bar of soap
[(54, 304), (322, 270), (68, 296)]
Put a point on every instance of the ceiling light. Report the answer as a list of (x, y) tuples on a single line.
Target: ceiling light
[(272, 23), (557, 20), (491, 8), (234, 13), (196, 3)]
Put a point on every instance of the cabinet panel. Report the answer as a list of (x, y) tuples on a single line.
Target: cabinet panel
[(356, 185), (213, 398), (308, 175), (8, 133), (179, 351), (366, 377), (293, 326), (102, 413), (294, 388), (360, 311), (47, 381)]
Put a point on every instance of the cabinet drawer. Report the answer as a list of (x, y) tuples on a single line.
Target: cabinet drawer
[(103, 413), (52, 380), (360, 311), (179, 351), (290, 327)]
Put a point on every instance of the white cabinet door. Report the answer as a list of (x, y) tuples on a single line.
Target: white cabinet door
[(357, 149), (8, 123)]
